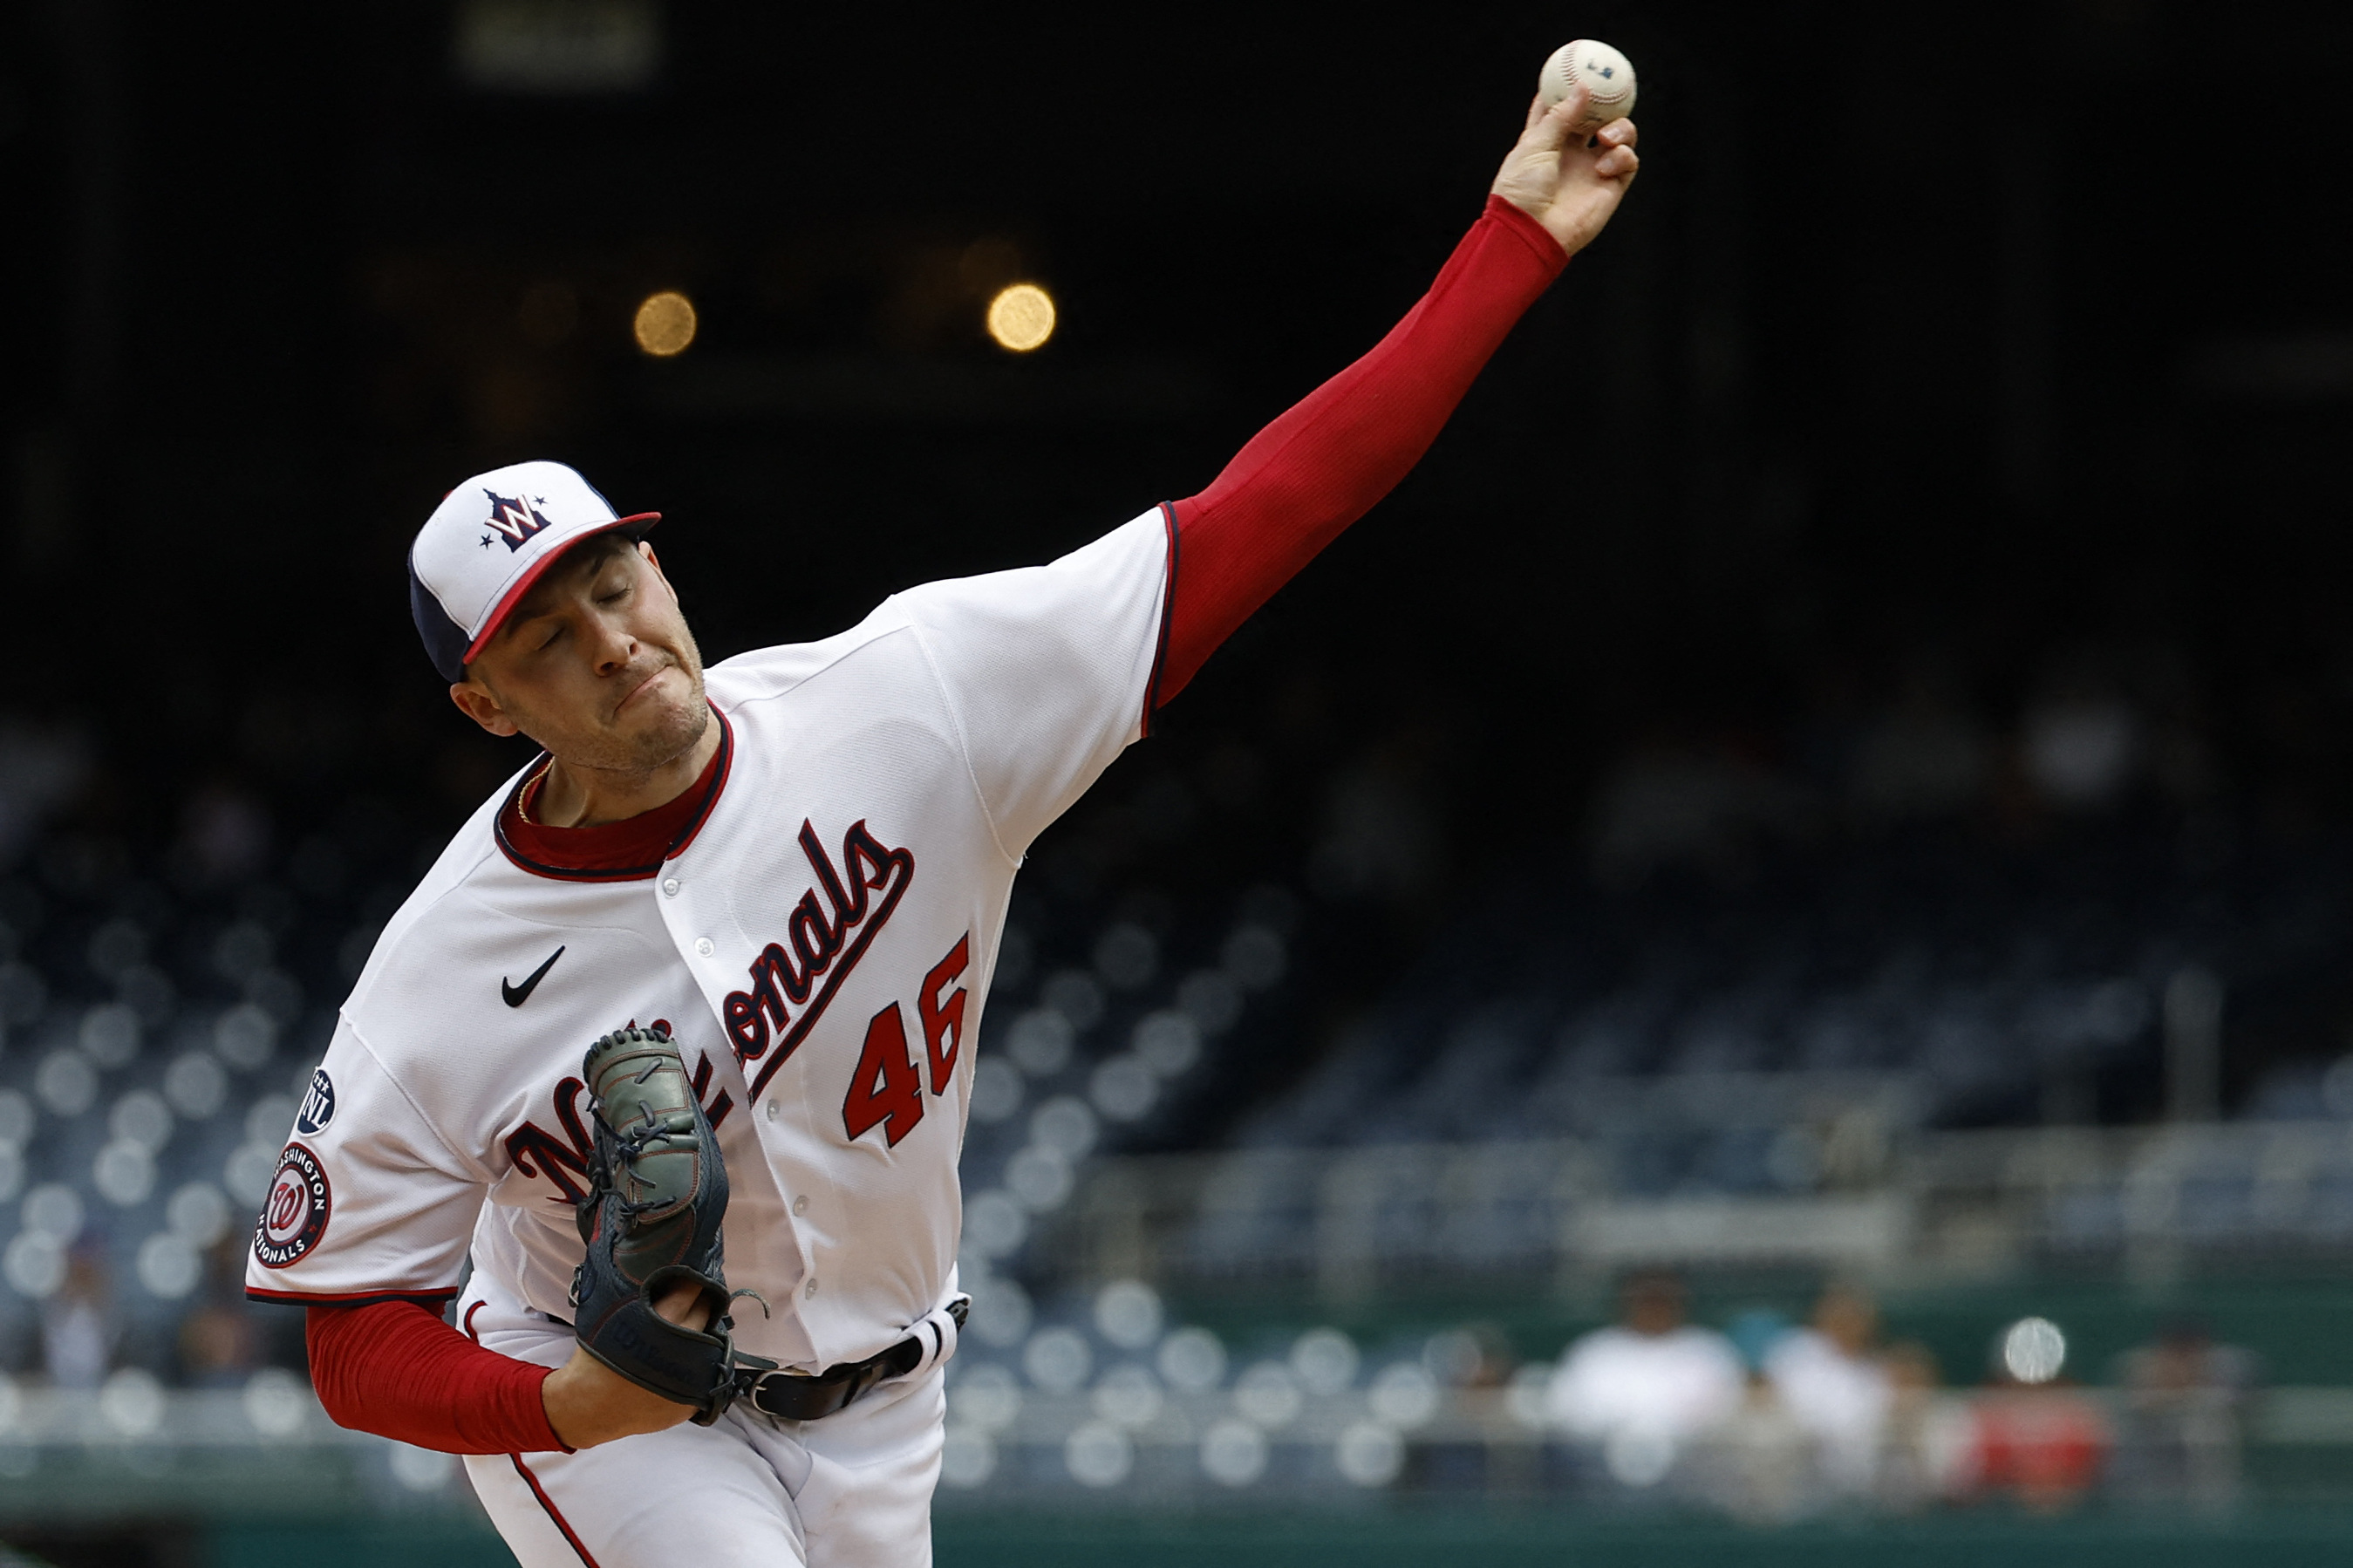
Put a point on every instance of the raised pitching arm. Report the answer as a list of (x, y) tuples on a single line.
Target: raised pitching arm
[(1331, 457)]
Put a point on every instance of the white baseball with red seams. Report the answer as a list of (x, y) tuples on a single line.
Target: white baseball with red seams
[(1601, 70)]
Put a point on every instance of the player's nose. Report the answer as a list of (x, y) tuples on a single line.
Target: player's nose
[(616, 649)]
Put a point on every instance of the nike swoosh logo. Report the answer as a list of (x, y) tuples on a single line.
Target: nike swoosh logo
[(517, 996)]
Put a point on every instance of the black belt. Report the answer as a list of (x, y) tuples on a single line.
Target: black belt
[(799, 1398)]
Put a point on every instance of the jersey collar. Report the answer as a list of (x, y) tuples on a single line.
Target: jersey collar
[(629, 850)]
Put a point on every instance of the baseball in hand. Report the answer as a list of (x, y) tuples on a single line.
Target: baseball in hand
[(1600, 70)]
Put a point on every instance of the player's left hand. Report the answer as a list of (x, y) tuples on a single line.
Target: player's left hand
[(1563, 180)]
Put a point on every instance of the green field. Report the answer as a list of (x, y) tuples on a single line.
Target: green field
[(1418, 1537)]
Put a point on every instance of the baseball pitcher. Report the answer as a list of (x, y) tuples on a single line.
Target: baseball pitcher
[(674, 1040)]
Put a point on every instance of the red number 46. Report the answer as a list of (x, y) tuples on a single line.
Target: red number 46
[(886, 1088)]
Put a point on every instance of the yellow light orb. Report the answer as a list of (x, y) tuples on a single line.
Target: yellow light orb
[(665, 324), (1021, 317)]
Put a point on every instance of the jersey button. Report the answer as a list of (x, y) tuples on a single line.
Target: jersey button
[(705, 946), (669, 886), (775, 1109), (812, 1287), (800, 1205)]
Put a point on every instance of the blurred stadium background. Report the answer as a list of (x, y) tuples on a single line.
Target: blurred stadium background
[(1827, 801)]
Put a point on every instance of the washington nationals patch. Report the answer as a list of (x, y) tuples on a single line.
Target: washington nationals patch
[(295, 1217)]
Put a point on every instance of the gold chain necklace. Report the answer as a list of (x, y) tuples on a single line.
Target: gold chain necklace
[(522, 796)]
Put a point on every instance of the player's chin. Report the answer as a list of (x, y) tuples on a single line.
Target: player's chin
[(664, 718)]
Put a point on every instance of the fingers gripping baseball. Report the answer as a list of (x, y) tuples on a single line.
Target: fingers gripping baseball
[(1568, 181)]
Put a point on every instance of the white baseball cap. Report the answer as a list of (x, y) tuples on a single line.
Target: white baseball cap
[(486, 544)]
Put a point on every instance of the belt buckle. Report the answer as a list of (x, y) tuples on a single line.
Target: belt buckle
[(843, 1385), (784, 1386)]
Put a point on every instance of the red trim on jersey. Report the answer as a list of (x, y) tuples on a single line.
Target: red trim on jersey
[(716, 770), (538, 569), (436, 1300), (552, 1512), (629, 850), (1326, 462), (396, 1369), (1168, 600)]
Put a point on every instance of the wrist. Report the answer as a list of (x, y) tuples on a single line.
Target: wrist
[(559, 1401), (1510, 216), (588, 1402)]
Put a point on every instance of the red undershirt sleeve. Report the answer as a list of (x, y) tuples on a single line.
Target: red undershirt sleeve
[(1324, 463), (394, 1369)]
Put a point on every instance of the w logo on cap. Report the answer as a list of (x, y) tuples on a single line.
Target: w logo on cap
[(515, 520), (459, 588)]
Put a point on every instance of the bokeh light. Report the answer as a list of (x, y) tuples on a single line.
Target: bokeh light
[(1021, 317), (2034, 1350), (665, 324)]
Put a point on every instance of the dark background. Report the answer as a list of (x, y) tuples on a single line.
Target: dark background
[(1939, 350)]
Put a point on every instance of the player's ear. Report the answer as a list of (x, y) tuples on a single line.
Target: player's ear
[(476, 702), (647, 549)]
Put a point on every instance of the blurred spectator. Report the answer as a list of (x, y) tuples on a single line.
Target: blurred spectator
[(219, 1345), (1925, 1444), (2185, 1397), (1472, 1359), (78, 1328), (2034, 1437), (1758, 1464), (1639, 1391), (1476, 1355), (1835, 1387)]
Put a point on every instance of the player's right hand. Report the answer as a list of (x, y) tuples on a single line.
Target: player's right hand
[(1561, 179)]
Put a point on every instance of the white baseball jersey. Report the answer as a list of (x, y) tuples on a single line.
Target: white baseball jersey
[(819, 946)]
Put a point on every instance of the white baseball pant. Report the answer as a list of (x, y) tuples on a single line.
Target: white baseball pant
[(853, 1490)]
